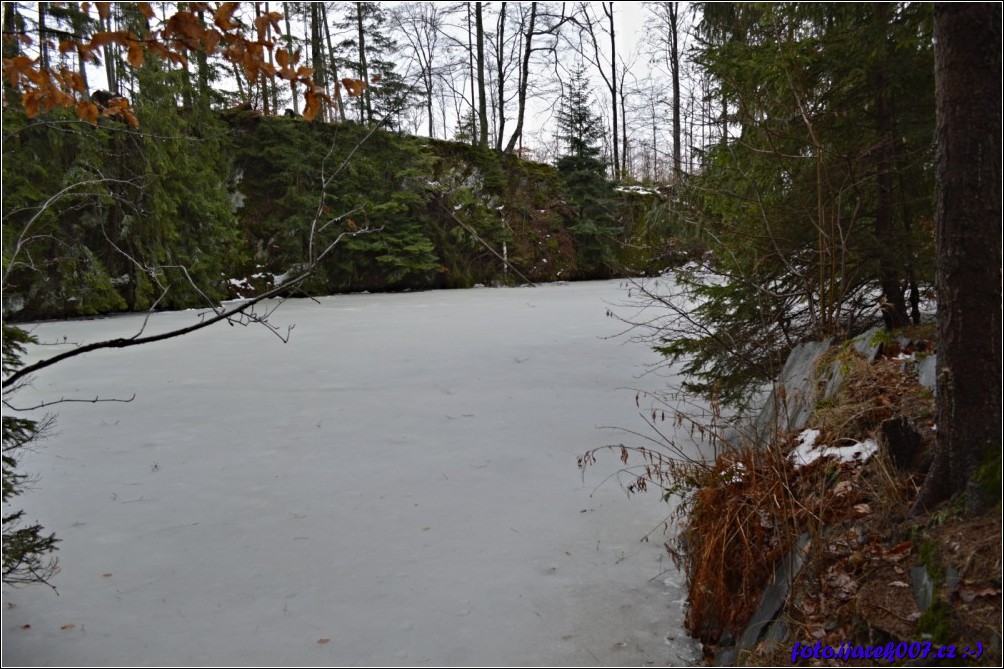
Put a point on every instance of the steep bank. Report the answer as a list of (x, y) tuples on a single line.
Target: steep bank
[(196, 207), (820, 541)]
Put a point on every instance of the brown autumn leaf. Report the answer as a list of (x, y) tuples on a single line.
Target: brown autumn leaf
[(967, 595), (211, 39), (223, 14), (899, 551), (17, 67), (106, 575), (354, 87), (184, 28), (104, 9), (282, 57), (87, 111), (106, 37), (312, 106), (145, 9), (323, 641), (68, 626), (26, 626), (261, 25), (274, 18), (375, 79), (135, 55), (66, 45), (31, 102)]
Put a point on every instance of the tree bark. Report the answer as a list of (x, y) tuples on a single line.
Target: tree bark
[(674, 64), (523, 77), (363, 74), (609, 12), (890, 246), (482, 98), (336, 88), (316, 49), (289, 47), (501, 78), (968, 239)]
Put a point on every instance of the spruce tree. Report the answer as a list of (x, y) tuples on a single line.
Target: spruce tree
[(369, 55), (27, 549), (589, 194)]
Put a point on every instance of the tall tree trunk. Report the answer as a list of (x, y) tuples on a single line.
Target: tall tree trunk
[(363, 70), (317, 48), (890, 249), (470, 66), (272, 83), (202, 73), (523, 79), (674, 65), (289, 48), (624, 134), (12, 23), (111, 55), (967, 218), (501, 77), (335, 86), (482, 98), (43, 36), (608, 10), (262, 78)]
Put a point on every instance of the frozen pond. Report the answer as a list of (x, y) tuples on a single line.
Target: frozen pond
[(396, 485)]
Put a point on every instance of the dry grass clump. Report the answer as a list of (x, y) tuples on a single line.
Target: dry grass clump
[(741, 519), (743, 511)]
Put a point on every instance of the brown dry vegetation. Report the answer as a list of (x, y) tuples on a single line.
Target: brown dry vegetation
[(743, 512)]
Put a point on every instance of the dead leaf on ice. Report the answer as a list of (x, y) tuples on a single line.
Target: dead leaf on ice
[(67, 627), (323, 641)]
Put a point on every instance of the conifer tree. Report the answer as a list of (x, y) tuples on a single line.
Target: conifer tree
[(584, 175), (27, 550), (368, 55)]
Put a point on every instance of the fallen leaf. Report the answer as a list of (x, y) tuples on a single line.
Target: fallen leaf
[(26, 626), (323, 641), (106, 575), (968, 595), (68, 627), (900, 547), (862, 509), (843, 488), (899, 584)]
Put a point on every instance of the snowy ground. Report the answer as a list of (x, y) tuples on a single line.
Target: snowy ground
[(396, 485)]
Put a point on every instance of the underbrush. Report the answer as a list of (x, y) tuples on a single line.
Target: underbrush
[(740, 512)]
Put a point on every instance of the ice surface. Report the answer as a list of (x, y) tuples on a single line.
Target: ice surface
[(396, 485)]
